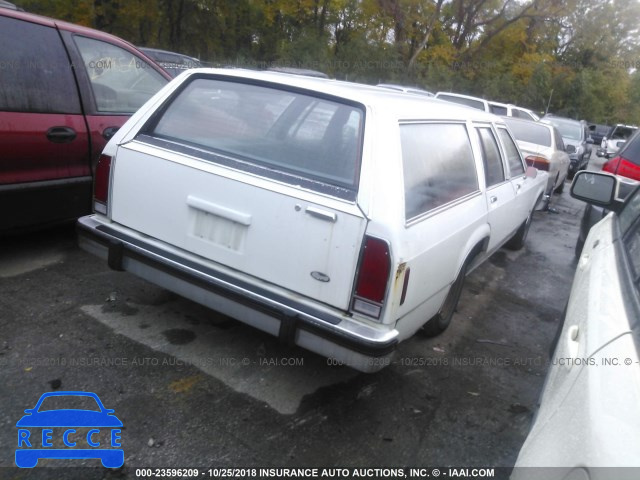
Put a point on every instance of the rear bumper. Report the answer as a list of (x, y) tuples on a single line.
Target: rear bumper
[(318, 328)]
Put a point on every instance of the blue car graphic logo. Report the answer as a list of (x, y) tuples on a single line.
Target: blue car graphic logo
[(69, 433)]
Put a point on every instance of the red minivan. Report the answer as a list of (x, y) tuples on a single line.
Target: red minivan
[(64, 91)]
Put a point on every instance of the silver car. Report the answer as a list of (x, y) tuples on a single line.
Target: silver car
[(615, 139), (589, 414)]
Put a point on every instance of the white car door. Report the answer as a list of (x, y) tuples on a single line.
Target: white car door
[(524, 187), (500, 192)]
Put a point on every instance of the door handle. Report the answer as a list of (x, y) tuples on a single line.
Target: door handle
[(109, 132), (493, 199), (322, 214), (61, 134)]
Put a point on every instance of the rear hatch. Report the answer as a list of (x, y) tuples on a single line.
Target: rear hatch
[(254, 177)]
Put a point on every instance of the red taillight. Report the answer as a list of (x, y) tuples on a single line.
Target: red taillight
[(101, 184), (540, 163), (611, 166), (373, 276), (623, 167)]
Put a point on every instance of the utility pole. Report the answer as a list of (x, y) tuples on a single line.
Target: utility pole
[(549, 102)]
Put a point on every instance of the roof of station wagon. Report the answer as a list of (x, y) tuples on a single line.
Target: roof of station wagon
[(401, 105)]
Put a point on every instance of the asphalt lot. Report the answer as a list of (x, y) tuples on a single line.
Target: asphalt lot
[(195, 389)]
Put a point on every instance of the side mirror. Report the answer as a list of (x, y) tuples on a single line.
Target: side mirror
[(595, 187), (570, 149), (531, 172)]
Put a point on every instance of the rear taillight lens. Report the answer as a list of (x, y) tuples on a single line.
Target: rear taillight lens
[(612, 165), (101, 184), (373, 277), (538, 162)]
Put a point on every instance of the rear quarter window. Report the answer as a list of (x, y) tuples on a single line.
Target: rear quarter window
[(438, 166), (287, 131)]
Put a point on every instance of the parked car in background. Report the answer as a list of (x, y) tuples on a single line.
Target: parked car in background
[(615, 139), (400, 88), (598, 132), (174, 63), (313, 209), (589, 417), (575, 135), (626, 165), (64, 91), (509, 110), (542, 147), (502, 109)]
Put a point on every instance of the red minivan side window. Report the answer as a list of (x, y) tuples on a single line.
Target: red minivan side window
[(35, 72), (121, 82)]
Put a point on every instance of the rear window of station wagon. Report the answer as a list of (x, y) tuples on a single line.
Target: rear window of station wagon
[(438, 166), (288, 135)]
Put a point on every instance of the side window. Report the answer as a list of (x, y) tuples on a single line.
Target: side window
[(493, 168), (121, 82), (35, 74), (435, 172), (497, 109), (559, 141), (513, 156)]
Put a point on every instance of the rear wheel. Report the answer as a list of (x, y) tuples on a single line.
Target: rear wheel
[(441, 320), (518, 240)]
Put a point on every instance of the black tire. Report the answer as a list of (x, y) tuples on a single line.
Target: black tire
[(579, 247), (519, 239), (441, 320)]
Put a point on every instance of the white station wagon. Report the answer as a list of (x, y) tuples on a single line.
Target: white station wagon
[(339, 217)]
